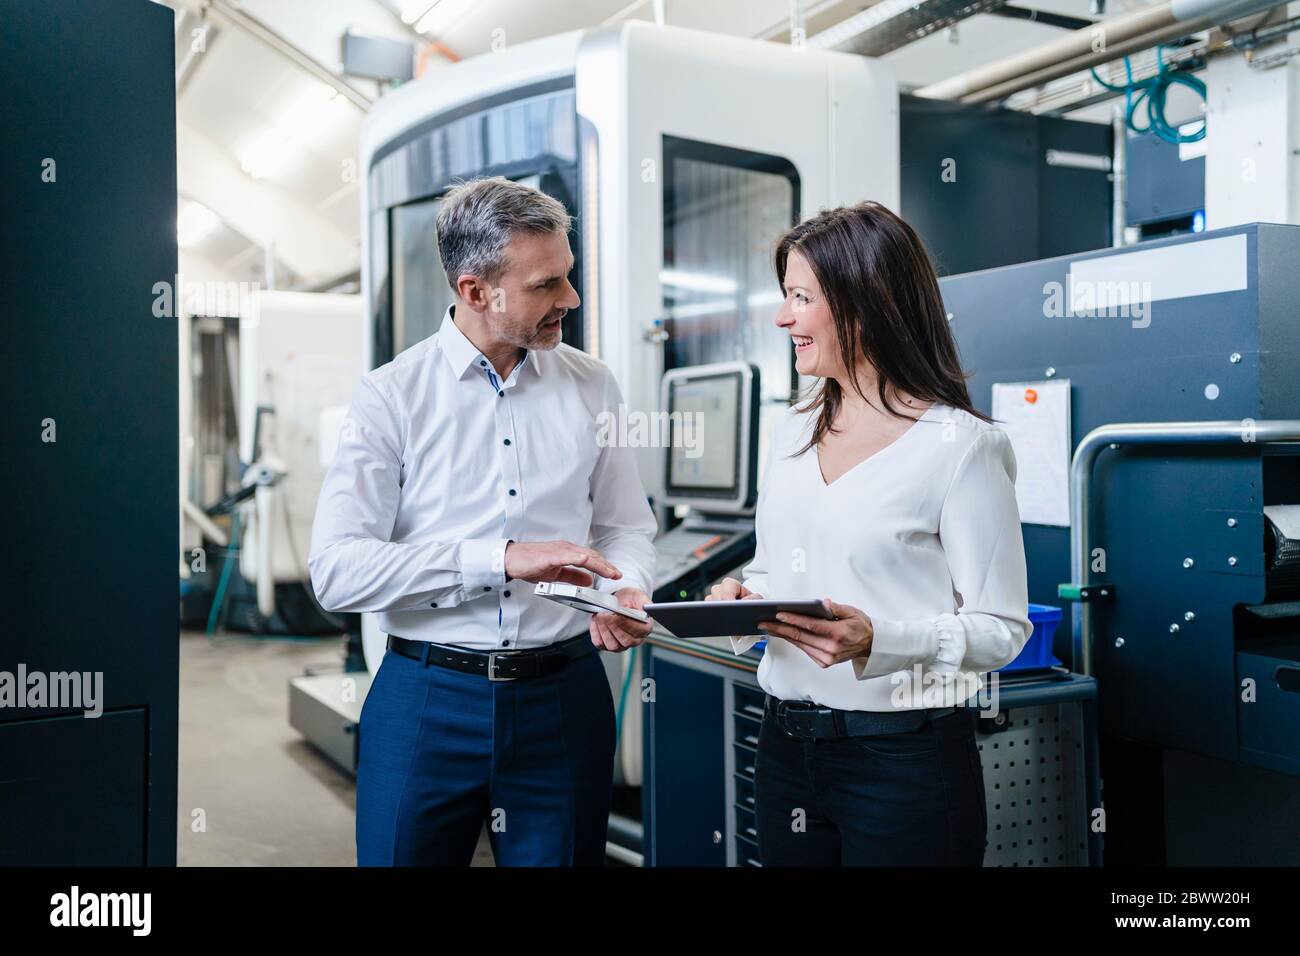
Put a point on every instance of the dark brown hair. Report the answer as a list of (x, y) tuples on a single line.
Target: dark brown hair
[(884, 297)]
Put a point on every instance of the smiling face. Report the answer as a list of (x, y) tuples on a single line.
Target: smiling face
[(806, 317)]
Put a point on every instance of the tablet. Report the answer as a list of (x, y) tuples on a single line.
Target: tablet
[(586, 599), (728, 618)]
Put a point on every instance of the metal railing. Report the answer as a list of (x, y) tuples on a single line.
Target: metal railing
[(1245, 432)]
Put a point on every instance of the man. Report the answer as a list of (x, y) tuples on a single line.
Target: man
[(468, 468)]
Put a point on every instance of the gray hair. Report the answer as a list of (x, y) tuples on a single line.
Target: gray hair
[(478, 218)]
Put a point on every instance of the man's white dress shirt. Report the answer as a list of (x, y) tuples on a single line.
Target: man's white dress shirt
[(440, 464), (923, 537)]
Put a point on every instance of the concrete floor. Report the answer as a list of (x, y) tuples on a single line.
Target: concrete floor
[(267, 797)]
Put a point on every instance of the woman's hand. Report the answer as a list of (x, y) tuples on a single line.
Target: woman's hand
[(826, 642), (729, 589)]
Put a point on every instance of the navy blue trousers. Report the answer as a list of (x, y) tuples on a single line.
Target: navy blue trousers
[(908, 799), (443, 752)]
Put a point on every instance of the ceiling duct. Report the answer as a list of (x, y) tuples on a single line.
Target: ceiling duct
[(1101, 42), (891, 24)]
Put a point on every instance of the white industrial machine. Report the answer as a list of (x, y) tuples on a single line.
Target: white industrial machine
[(300, 359)]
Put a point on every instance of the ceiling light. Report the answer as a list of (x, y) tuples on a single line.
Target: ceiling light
[(442, 15), (194, 223), (412, 10), (697, 281)]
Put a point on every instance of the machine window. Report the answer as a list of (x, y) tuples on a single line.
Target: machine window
[(723, 210)]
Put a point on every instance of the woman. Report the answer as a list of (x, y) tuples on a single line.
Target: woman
[(890, 493)]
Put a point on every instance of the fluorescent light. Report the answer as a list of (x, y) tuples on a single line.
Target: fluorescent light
[(695, 310), (697, 281), (412, 10), (273, 149), (442, 15), (194, 223), (860, 23), (265, 156)]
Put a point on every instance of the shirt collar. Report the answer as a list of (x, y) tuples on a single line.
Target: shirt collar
[(463, 355), (460, 351)]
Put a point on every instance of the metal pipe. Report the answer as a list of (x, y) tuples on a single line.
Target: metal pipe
[(255, 28), (1182, 16), (1142, 433), (205, 524), (1083, 62), (1078, 43), (1118, 179)]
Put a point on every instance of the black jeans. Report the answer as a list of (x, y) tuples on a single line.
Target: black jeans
[(910, 799)]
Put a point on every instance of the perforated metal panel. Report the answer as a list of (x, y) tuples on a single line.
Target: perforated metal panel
[(1035, 788)]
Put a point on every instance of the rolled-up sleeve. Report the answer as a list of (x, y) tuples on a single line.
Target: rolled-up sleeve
[(354, 564), (979, 530), (623, 525)]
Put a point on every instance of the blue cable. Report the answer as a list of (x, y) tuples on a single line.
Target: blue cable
[(622, 701), (1153, 91), (232, 555)]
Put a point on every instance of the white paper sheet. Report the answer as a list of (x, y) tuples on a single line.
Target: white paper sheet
[(1036, 417)]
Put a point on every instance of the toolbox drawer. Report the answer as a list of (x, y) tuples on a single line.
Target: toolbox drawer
[(744, 761), (746, 853), (1268, 729), (746, 825), (744, 792), (749, 700), (746, 730)]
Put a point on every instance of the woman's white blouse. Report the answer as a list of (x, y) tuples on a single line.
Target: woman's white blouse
[(923, 537)]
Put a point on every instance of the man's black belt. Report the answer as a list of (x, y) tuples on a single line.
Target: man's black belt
[(495, 665), (809, 721)]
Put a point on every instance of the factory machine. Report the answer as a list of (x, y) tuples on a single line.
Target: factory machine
[(1172, 372), (300, 357)]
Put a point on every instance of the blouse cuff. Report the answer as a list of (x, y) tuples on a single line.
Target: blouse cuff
[(756, 584), (938, 645)]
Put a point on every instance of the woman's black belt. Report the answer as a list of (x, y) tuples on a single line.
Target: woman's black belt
[(809, 721), (495, 665)]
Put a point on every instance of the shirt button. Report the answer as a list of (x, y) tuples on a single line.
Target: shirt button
[(507, 441), (484, 364), (501, 394), (434, 604), (487, 589), (506, 593), (512, 492)]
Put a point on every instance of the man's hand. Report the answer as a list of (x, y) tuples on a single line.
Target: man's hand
[(556, 561), (614, 632), (729, 589), (826, 642)]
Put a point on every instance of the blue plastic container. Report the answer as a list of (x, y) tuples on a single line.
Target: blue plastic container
[(1037, 652)]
